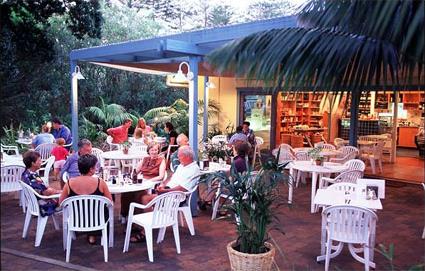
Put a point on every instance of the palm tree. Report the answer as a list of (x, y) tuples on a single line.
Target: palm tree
[(178, 114), (108, 115), (340, 45), (344, 45)]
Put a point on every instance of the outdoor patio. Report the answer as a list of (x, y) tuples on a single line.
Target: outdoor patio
[(400, 222)]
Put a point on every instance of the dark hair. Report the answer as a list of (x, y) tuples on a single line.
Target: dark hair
[(86, 162), (246, 123), (30, 157), (56, 120), (239, 129), (242, 148), (169, 125), (83, 142), (126, 120)]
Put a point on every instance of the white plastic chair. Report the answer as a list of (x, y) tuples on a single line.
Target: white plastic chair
[(218, 139), (376, 155), (65, 177), (46, 166), (355, 164), (112, 146), (388, 146), (33, 209), (325, 146), (79, 217), (185, 211), (45, 150), (344, 187), (351, 225), (10, 177), (349, 176), (288, 147), (163, 215), (348, 153), (301, 156), (7, 149), (106, 167), (258, 142)]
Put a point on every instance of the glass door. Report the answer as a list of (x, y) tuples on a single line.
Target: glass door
[(257, 110)]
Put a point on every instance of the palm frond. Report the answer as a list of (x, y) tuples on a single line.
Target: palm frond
[(154, 112)]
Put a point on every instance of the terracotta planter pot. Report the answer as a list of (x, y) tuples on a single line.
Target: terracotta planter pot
[(319, 162), (125, 150), (244, 262)]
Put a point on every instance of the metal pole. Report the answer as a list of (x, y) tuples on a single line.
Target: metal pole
[(193, 106), (74, 107), (354, 117), (394, 132), (205, 123)]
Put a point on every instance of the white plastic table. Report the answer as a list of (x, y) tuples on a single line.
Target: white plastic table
[(329, 197), (119, 155), (127, 187), (316, 171), (214, 167)]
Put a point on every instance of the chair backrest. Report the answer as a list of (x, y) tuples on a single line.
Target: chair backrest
[(98, 153), (259, 141), (45, 150), (369, 138), (327, 146), (112, 146), (138, 148), (284, 155), (338, 142), (302, 156), (219, 138), (288, 147), (10, 177), (166, 208), (46, 166), (30, 199), (7, 149), (349, 150), (86, 212), (355, 164), (349, 176), (344, 187), (349, 224)]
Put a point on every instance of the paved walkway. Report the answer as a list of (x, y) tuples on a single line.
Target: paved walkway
[(401, 222)]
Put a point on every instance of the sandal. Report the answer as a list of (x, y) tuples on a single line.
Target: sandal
[(137, 238), (91, 239)]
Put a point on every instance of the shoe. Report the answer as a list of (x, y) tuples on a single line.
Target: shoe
[(202, 205), (137, 238), (91, 239)]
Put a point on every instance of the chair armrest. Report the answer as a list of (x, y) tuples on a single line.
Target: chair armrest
[(327, 179), (55, 196), (140, 206)]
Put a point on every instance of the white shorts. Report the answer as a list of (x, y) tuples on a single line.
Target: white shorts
[(59, 164)]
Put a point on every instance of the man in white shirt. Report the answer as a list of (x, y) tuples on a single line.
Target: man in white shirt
[(182, 179)]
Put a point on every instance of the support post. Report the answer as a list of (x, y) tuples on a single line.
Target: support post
[(193, 106), (394, 131), (205, 122), (354, 117), (74, 107)]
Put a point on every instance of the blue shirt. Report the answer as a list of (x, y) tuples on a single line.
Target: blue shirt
[(71, 166), (43, 138), (63, 132)]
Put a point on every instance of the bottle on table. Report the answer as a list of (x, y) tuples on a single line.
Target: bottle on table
[(134, 176)]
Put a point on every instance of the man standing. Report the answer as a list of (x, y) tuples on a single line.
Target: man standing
[(239, 136), (120, 134), (71, 164), (61, 131)]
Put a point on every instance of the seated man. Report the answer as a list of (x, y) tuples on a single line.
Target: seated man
[(61, 131), (120, 134), (71, 163), (239, 136), (182, 140), (182, 180)]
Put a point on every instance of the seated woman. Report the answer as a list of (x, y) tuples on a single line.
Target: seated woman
[(140, 137), (143, 128), (241, 151), (152, 168), (86, 184), (44, 137), (32, 161)]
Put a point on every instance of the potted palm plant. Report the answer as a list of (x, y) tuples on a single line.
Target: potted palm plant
[(315, 154), (254, 196)]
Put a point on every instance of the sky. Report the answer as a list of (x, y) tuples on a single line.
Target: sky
[(243, 4)]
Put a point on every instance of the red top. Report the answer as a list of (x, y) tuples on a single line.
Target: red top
[(60, 153), (119, 134)]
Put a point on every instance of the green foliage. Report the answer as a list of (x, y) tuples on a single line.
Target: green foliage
[(254, 199), (341, 45), (92, 131), (389, 255), (10, 135), (220, 16)]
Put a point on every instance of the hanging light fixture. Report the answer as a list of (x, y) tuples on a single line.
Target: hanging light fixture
[(77, 73), (180, 79)]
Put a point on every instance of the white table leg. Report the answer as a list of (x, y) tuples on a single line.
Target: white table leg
[(291, 185), (313, 190)]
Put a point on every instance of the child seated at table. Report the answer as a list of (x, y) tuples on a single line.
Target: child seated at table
[(60, 154)]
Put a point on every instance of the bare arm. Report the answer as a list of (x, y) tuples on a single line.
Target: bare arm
[(162, 189), (105, 190), (161, 172), (64, 194)]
